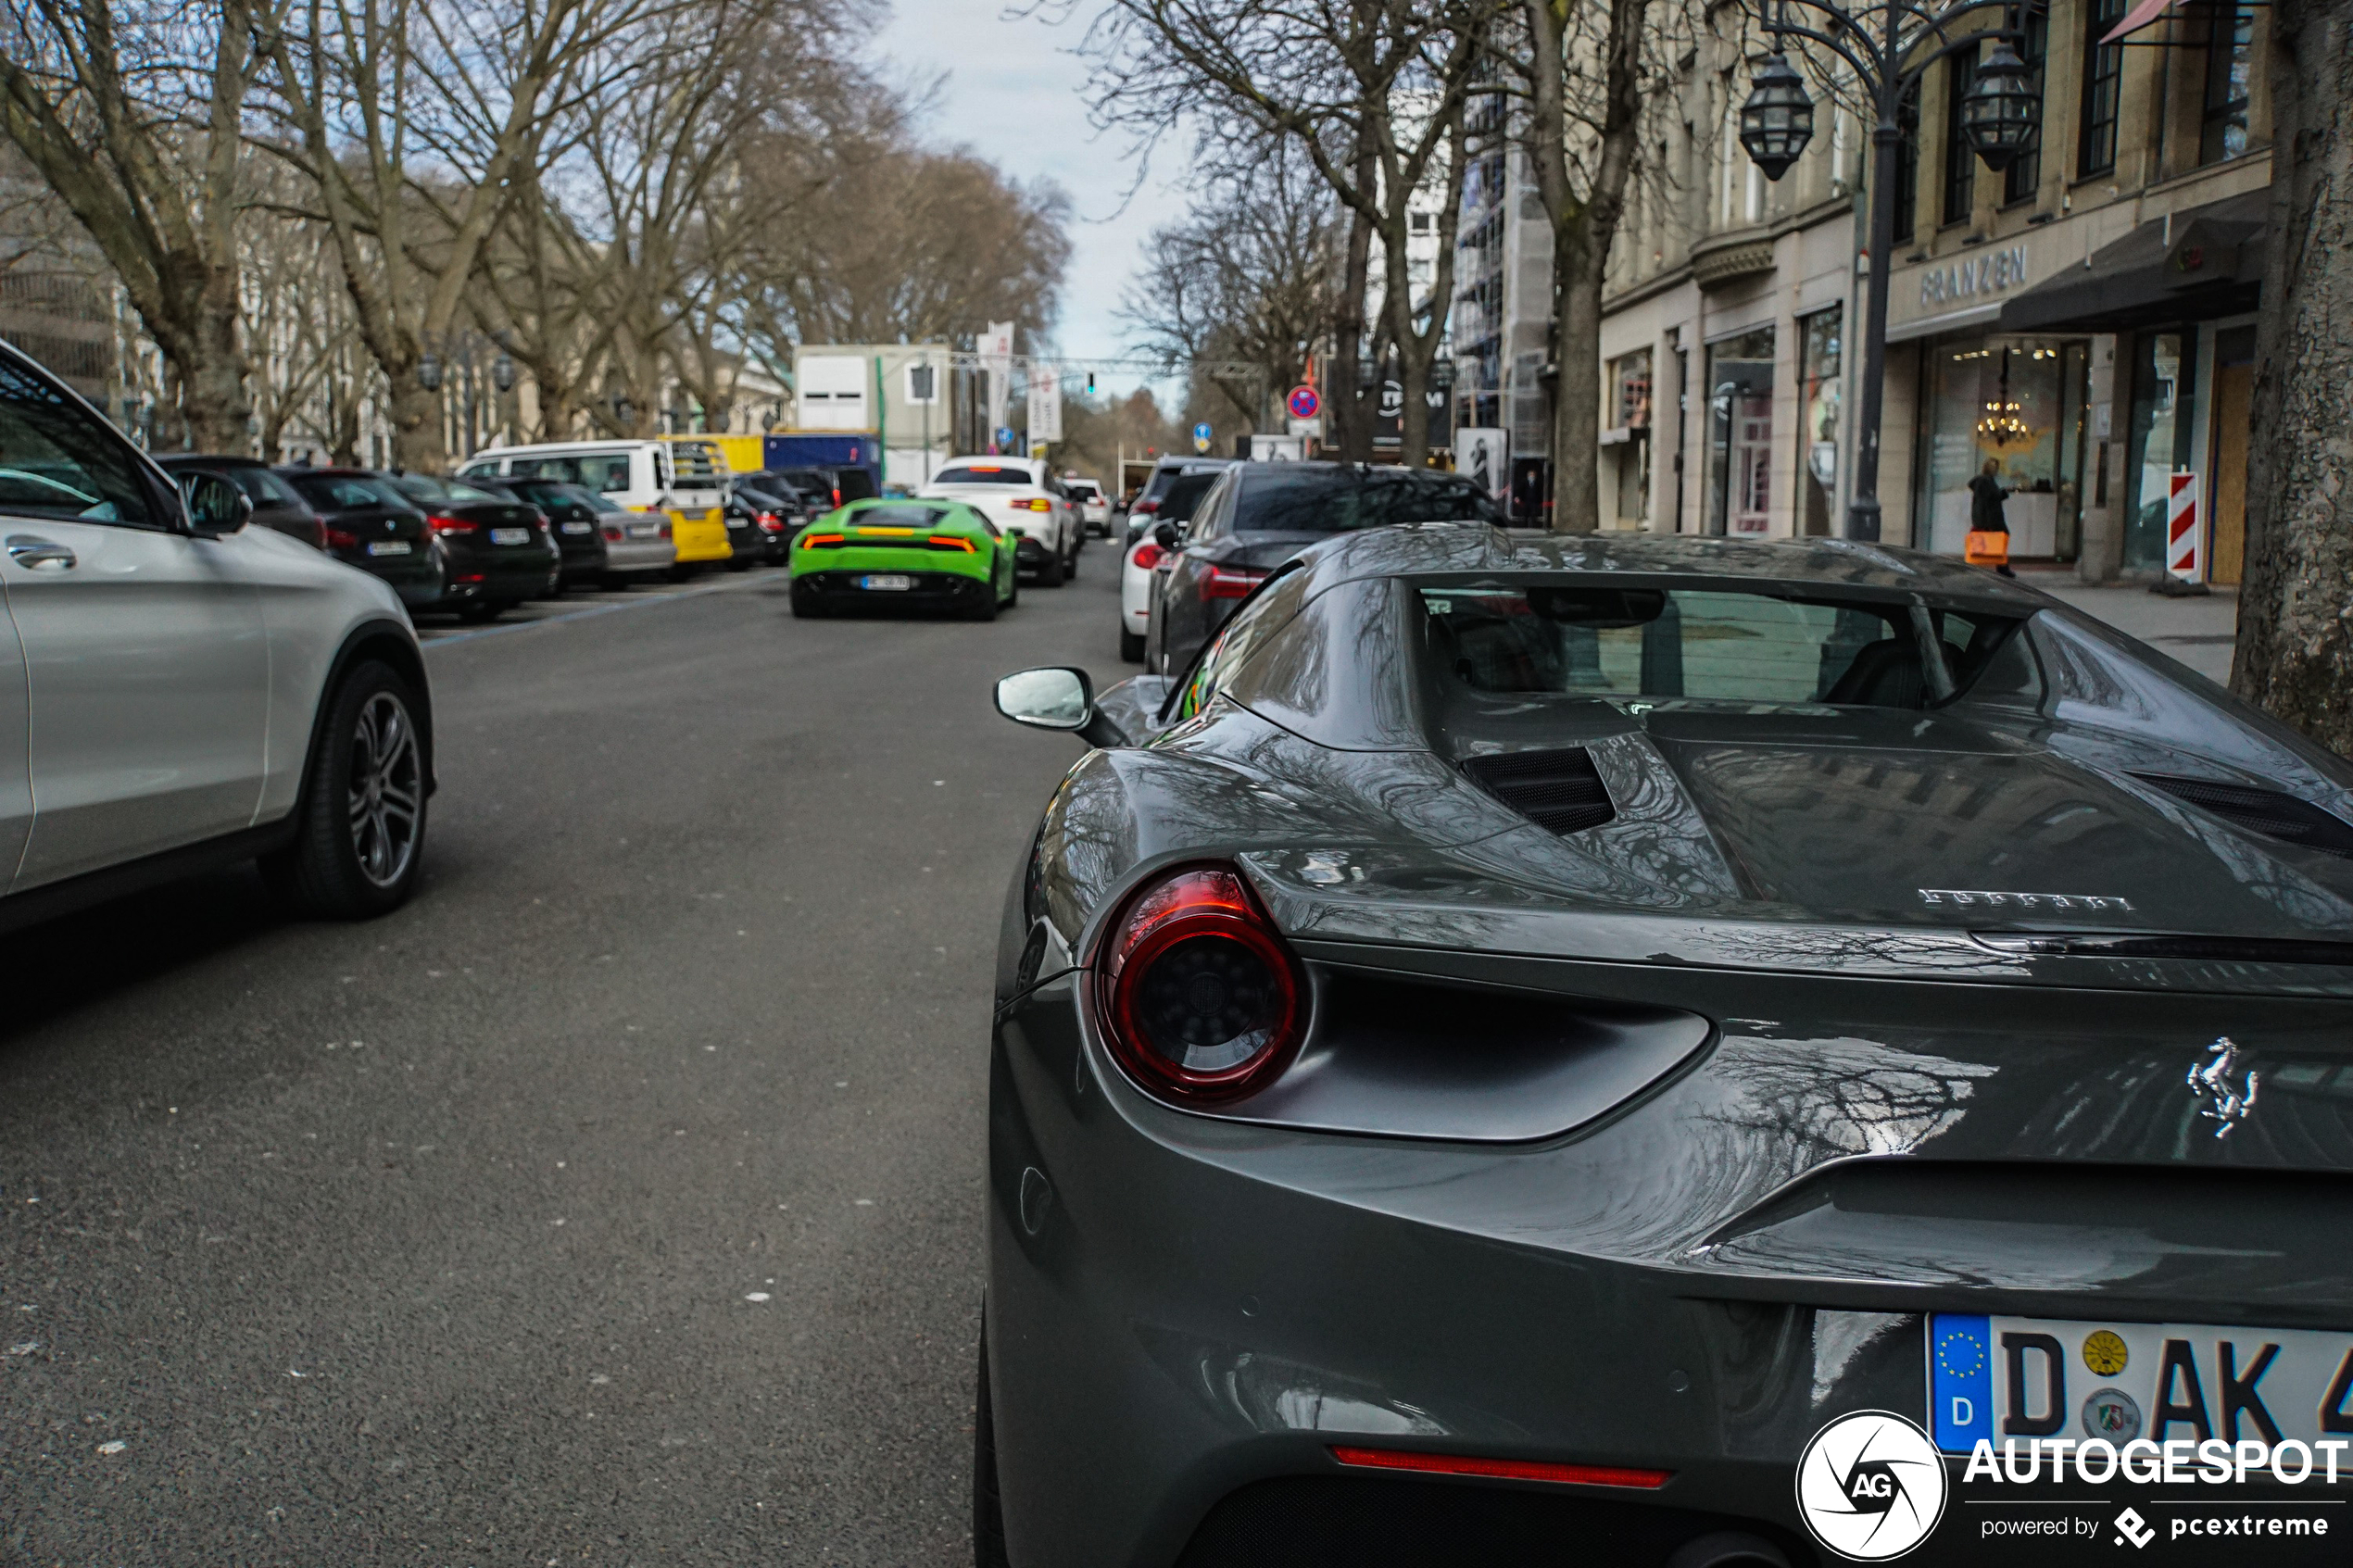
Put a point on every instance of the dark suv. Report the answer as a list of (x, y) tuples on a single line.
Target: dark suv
[(365, 521)]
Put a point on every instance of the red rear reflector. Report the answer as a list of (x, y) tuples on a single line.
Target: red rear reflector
[(1502, 1469)]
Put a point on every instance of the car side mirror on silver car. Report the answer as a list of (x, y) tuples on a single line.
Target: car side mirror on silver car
[(1048, 698), (215, 505)]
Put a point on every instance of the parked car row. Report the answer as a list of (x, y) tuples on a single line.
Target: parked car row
[(1206, 531)]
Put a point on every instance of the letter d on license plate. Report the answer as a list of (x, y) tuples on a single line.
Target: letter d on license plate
[(1996, 1377)]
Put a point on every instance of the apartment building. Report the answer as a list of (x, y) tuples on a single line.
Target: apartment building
[(2084, 318)]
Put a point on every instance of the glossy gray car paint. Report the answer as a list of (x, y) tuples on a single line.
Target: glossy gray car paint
[(1890, 1112)]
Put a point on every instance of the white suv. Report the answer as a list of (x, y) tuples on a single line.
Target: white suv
[(178, 691), (1019, 493)]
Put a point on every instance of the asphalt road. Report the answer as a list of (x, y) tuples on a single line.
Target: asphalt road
[(616, 1202)]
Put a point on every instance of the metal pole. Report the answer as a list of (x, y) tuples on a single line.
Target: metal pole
[(1863, 511)]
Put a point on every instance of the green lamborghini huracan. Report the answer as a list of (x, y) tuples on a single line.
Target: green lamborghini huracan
[(940, 554)]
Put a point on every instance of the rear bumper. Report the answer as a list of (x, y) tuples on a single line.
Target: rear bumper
[(639, 555), (700, 541), (937, 590)]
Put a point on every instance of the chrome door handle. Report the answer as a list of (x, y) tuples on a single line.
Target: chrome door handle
[(40, 555)]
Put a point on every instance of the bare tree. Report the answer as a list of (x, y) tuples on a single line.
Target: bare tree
[(2294, 653), (1250, 275), (1584, 67), (412, 119), (133, 112), (1370, 92)]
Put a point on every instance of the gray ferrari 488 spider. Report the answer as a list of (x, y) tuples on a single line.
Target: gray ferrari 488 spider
[(1496, 1058)]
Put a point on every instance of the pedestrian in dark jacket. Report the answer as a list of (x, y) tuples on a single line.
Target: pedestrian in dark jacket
[(1987, 494)]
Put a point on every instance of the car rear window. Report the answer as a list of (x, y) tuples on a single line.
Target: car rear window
[(261, 487), (981, 473), (425, 487), (342, 492), (1336, 500), (901, 516), (1723, 645)]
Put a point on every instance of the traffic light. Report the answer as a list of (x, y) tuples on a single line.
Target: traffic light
[(1091, 383)]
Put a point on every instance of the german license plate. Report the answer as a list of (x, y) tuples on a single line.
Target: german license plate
[(645, 530), (578, 527), (390, 547), (887, 583), (1998, 1378), (510, 535)]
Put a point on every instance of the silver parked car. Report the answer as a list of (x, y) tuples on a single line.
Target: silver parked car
[(179, 690)]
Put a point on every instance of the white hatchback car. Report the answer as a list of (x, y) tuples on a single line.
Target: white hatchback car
[(178, 691), (1019, 493)]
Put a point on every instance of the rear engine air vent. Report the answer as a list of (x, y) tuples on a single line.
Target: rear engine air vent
[(1559, 790), (2265, 811)]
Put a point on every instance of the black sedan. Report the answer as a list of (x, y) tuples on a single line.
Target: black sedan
[(1649, 1052), (499, 549), (276, 504), (1259, 514), (576, 516), (762, 513), (367, 523)]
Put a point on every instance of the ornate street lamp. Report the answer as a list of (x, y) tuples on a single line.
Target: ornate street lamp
[(502, 372), (1889, 45), (2001, 112), (429, 372), (1777, 119)]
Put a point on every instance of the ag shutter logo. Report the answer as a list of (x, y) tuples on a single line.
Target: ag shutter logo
[(1871, 1485)]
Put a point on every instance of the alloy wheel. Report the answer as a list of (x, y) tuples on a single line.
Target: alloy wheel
[(387, 778)]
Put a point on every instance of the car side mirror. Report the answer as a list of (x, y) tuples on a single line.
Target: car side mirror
[(215, 505), (1168, 536), (1048, 698)]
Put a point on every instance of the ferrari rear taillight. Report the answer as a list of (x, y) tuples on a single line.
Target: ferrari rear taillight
[(1229, 583), (1148, 555), (1201, 997)]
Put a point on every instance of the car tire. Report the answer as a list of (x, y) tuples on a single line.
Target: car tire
[(1070, 570), (805, 606), (988, 1507), (1131, 646), (349, 859), (1050, 576)]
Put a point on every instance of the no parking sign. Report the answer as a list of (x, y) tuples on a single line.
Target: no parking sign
[(1304, 403)]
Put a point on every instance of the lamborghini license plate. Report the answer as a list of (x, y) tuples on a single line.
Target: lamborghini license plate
[(887, 583)]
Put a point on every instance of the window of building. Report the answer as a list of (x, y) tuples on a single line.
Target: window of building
[(1907, 163), (1960, 160), (922, 383), (1630, 400), (2019, 403), (2025, 172), (1819, 392), (2229, 79), (2158, 440), (2103, 79), (1740, 433)]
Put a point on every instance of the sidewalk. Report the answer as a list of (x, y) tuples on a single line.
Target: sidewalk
[(2199, 631)]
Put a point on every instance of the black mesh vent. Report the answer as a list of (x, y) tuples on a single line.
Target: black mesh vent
[(1559, 790), (2265, 811)]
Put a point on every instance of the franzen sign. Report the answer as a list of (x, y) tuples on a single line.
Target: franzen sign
[(1996, 272)]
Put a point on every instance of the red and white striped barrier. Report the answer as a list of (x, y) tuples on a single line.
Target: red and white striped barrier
[(2185, 539)]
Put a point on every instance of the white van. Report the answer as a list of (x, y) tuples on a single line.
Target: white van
[(683, 478)]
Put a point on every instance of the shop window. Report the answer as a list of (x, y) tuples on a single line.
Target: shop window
[(1739, 425), (1819, 392), (2158, 441), (2025, 172), (2103, 85), (1630, 406), (1907, 163), (1960, 161), (2013, 401), (2229, 80)]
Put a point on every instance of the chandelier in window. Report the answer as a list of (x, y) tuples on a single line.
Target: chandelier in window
[(2005, 417)]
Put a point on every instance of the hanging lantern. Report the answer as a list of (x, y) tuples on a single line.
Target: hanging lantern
[(429, 372), (2003, 109), (502, 372), (1777, 119)]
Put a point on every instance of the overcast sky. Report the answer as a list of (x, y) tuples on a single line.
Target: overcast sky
[(1012, 93)]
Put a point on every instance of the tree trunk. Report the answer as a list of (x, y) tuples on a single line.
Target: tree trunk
[(1344, 411), (1577, 392), (417, 440), (2295, 654)]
